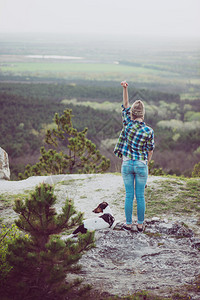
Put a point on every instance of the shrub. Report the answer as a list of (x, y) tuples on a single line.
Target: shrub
[(155, 171), (196, 170), (8, 235), (40, 264)]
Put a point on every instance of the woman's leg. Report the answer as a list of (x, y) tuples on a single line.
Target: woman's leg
[(128, 178), (141, 174)]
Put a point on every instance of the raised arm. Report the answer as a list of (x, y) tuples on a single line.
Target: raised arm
[(125, 94)]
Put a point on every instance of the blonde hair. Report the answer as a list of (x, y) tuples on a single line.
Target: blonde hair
[(137, 110)]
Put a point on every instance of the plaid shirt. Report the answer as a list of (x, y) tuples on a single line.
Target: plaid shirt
[(136, 138)]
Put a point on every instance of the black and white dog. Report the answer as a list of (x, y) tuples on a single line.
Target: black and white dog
[(105, 220)]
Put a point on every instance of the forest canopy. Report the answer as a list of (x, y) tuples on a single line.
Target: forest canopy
[(27, 111)]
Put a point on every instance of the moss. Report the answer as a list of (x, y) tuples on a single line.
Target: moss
[(153, 234)]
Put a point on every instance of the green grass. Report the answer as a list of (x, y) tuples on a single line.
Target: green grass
[(8, 200), (70, 182), (83, 197), (173, 196)]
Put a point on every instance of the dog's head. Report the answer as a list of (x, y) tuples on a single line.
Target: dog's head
[(100, 208)]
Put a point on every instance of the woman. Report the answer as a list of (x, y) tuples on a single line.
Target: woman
[(135, 146)]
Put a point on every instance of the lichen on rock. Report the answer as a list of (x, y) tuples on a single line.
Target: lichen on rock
[(4, 165)]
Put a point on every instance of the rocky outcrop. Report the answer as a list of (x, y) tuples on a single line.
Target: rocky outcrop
[(4, 165), (162, 258)]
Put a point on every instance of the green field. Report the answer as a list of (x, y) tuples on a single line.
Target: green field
[(110, 71), (161, 77)]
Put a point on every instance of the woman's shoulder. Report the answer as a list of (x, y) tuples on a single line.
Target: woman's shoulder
[(150, 131), (146, 130)]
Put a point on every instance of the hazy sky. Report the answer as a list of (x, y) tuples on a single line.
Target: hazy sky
[(129, 17)]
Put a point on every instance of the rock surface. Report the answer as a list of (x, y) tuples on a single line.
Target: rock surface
[(165, 256), (4, 165)]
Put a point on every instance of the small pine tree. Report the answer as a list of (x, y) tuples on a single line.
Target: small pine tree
[(40, 264), (154, 171), (77, 153), (196, 170)]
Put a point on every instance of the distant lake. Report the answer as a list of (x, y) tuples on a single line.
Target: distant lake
[(54, 57)]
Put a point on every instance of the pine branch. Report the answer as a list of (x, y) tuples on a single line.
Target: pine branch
[(27, 220)]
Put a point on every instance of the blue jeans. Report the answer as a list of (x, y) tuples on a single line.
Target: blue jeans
[(134, 174)]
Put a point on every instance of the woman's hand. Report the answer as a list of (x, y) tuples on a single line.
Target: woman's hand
[(125, 94), (124, 84)]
